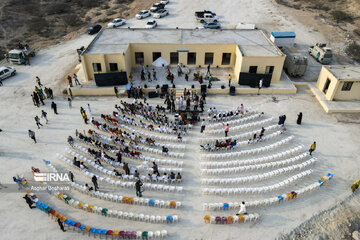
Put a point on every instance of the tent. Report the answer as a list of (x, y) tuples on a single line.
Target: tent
[(160, 62)]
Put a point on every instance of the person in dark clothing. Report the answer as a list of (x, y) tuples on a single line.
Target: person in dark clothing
[(32, 135), (94, 181), (116, 91), (37, 121), (208, 69), (155, 168), (53, 106), (61, 225), (299, 119), (126, 168), (119, 157), (29, 201), (51, 93), (138, 185), (71, 176)]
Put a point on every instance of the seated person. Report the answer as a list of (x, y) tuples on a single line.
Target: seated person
[(154, 177), (164, 149), (70, 140), (178, 176), (117, 173), (172, 175)]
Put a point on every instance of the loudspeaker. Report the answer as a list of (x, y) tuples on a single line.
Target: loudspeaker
[(153, 95), (203, 88)]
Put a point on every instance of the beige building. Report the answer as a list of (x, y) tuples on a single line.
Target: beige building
[(245, 51), (340, 82)]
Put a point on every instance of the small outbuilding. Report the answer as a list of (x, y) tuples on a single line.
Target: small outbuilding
[(340, 82), (282, 39)]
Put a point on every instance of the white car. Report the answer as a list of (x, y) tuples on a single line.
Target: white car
[(143, 14), (164, 1), (151, 24), (161, 13), (6, 72), (117, 22)]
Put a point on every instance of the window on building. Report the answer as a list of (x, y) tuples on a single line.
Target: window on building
[(174, 58), (269, 69), (253, 69), (191, 59), (226, 58), (209, 58), (139, 58), (97, 67), (347, 86), (326, 86), (113, 67), (156, 55)]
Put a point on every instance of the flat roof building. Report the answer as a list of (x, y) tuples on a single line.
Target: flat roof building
[(245, 51), (340, 82)]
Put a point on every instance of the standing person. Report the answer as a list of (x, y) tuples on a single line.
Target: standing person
[(70, 102), (226, 129), (29, 201), (51, 93), (208, 70), (1, 83), (299, 119), (131, 79), (202, 126), (54, 107), (76, 79), (312, 148), (155, 168), (210, 80), (89, 108), (44, 115), (260, 85), (38, 82), (71, 176), (84, 116), (186, 77), (202, 105), (94, 181), (69, 80), (138, 185), (116, 91), (229, 78), (38, 123), (27, 60), (154, 74), (126, 168), (32, 135), (61, 225), (149, 76)]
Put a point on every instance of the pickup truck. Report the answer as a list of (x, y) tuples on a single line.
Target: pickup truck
[(16, 55), (206, 16)]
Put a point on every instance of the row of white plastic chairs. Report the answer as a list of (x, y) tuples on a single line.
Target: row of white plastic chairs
[(240, 114), (143, 178), (240, 127), (143, 157), (245, 135), (147, 135), (253, 167), (254, 190), (143, 141), (123, 184), (242, 143), (120, 214), (246, 118), (258, 177), (247, 152), (132, 169), (267, 201), (118, 198), (236, 163)]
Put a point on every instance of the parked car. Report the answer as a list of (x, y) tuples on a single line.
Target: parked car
[(117, 22), (6, 72), (143, 14), (164, 1), (161, 13), (206, 16), (94, 29), (215, 25), (156, 7), (151, 24)]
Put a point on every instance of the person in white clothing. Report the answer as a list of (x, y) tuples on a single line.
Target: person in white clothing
[(242, 209)]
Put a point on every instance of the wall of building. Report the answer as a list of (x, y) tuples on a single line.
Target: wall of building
[(262, 63), (323, 76), (199, 49), (237, 66), (353, 94)]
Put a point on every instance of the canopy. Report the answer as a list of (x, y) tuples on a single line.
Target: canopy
[(160, 62)]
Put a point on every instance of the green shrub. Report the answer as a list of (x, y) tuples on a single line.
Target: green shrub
[(341, 16), (353, 50)]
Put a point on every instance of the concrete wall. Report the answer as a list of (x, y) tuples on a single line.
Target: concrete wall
[(262, 63), (237, 66), (323, 76), (353, 94)]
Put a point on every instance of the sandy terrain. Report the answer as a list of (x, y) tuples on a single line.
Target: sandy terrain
[(338, 145)]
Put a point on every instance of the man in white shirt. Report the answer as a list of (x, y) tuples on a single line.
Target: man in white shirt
[(260, 85), (242, 209)]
